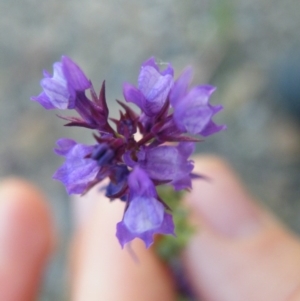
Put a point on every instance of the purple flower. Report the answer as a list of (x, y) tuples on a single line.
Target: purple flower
[(134, 167), (153, 88), (145, 215), (169, 163), (59, 90), (192, 111), (78, 171)]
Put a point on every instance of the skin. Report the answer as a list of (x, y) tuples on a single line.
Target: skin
[(241, 252)]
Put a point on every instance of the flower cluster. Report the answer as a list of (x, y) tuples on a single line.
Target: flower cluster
[(173, 117)]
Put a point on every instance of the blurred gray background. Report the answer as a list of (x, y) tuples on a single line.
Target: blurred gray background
[(249, 49)]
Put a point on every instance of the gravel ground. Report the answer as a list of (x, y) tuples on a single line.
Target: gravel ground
[(248, 49)]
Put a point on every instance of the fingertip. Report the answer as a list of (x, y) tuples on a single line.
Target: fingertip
[(28, 199), (26, 238), (241, 252), (221, 201), (105, 271), (210, 162)]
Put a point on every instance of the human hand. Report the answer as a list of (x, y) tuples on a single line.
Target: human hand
[(241, 252)]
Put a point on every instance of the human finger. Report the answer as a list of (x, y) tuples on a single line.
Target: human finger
[(241, 252), (103, 271), (26, 239)]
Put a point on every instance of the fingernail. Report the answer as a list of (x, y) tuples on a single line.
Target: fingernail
[(222, 202)]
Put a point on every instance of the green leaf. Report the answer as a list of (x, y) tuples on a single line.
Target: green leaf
[(169, 247)]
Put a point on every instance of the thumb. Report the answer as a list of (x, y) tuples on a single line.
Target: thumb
[(240, 252)]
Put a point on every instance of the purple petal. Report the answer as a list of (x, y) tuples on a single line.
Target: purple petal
[(167, 162), (128, 160), (46, 73), (145, 214), (150, 62), (124, 235), (78, 171), (74, 75), (132, 94), (180, 88), (61, 88), (192, 119), (182, 183), (169, 70), (56, 94), (44, 100), (193, 112), (140, 183), (155, 88), (64, 146), (58, 74), (199, 95), (212, 128), (186, 149), (56, 88)]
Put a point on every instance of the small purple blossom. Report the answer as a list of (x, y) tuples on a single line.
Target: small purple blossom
[(169, 163), (59, 90), (78, 171), (145, 214), (153, 88), (192, 111), (170, 113), (66, 90)]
